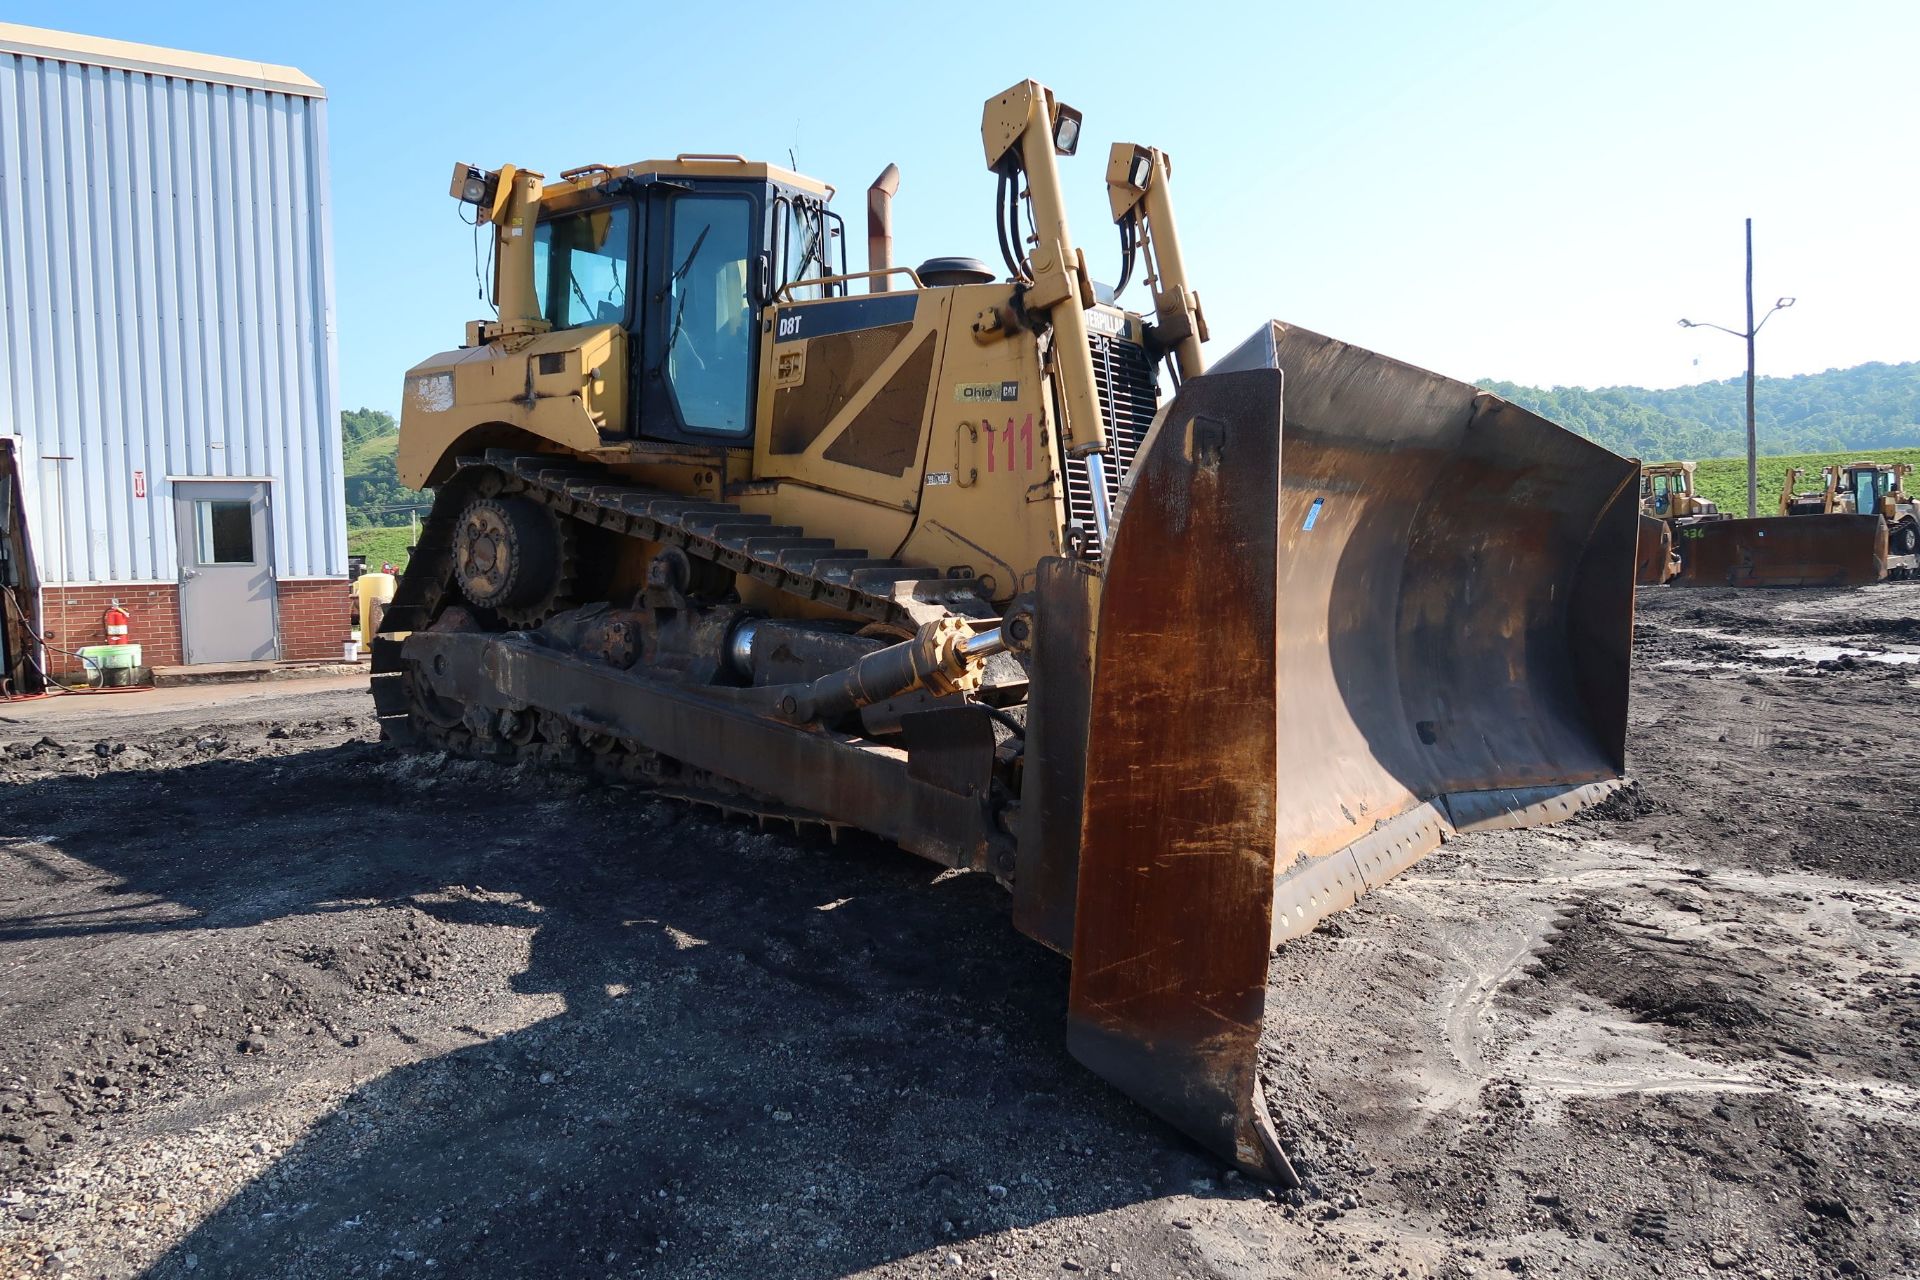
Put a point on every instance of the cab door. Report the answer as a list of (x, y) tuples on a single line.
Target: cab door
[(1866, 492), (707, 258), (586, 277)]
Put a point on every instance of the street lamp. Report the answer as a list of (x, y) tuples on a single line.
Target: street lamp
[(1781, 305), (1752, 329)]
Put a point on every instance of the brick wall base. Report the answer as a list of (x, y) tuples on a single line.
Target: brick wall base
[(74, 617), (313, 619)]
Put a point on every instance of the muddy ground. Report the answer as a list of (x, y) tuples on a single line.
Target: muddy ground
[(274, 1002)]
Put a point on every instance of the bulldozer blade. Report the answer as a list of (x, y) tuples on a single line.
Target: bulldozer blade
[(1654, 563), (1349, 608), (1784, 551)]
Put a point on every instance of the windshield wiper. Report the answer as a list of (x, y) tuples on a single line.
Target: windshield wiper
[(680, 312)]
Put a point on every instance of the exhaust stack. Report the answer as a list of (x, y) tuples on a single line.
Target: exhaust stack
[(880, 225)]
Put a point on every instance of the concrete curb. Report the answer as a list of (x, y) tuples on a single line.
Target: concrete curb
[(251, 672)]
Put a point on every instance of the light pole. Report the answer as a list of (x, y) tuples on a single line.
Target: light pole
[(1752, 329)]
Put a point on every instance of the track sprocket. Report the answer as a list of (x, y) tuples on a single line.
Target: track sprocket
[(514, 556)]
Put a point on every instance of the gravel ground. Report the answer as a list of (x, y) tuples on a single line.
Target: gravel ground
[(276, 1002)]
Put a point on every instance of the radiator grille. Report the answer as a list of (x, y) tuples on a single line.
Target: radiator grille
[(1129, 394)]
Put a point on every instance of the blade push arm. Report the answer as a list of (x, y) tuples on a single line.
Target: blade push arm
[(1022, 129), (1137, 189)]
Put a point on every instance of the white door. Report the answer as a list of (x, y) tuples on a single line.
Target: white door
[(226, 571)]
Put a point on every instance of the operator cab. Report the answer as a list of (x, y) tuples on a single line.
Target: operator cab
[(1867, 486), (684, 255), (1660, 487)]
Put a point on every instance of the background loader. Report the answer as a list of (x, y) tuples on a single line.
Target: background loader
[(926, 552), (1863, 488), (1815, 540), (1667, 492), (1667, 501)]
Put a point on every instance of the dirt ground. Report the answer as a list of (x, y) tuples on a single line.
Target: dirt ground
[(276, 1002)]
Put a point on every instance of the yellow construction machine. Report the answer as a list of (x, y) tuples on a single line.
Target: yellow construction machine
[(1869, 500), (1864, 488), (1667, 502), (1817, 538), (1667, 493), (927, 552), (1880, 488)]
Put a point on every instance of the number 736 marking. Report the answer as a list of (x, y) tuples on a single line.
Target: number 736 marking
[(1014, 442)]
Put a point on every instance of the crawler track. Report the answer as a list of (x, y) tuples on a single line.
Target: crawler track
[(885, 590)]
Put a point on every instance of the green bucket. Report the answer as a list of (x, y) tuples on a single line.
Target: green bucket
[(116, 663)]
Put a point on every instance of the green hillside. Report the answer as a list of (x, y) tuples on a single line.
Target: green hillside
[(379, 508), (363, 454), (1724, 480), (380, 546), (1866, 409)]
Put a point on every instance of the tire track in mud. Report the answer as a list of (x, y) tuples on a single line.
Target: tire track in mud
[(1758, 729), (1537, 925), (1468, 1009)]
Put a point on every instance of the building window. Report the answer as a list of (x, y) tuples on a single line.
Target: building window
[(225, 532)]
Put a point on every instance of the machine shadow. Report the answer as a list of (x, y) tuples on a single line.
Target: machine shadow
[(771, 1057)]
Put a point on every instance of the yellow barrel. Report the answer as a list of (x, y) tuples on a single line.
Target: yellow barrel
[(374, 591)]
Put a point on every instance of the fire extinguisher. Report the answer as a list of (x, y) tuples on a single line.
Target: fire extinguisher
[(118, 620)]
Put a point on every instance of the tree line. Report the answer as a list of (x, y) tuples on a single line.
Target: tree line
[(1870, 406)]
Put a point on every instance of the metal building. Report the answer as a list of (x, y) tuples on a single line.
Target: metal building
[(167, 367)]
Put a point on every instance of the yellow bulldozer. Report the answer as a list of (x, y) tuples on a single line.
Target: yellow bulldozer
[(1667, 493), (1837, 536), (933, 553), (1865, 488), (1667, 502)]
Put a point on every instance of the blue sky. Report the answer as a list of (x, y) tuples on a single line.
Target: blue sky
[(1531, 191)]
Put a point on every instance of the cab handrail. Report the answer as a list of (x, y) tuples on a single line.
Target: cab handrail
[(786, 290)]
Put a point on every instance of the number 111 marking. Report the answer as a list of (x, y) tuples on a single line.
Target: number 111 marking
[(1025, 434)]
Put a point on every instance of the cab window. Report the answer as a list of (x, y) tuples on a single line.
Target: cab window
[(802, 231), (1664, 486), (1868, 488), (709, 317), (581, 266)]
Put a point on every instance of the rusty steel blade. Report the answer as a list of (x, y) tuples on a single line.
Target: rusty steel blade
[(1328, 640), (1175, 892), (1456, 597), (1784, 551), (1654, 563)]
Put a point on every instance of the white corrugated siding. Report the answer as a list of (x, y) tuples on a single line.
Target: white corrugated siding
[(167, 280)]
